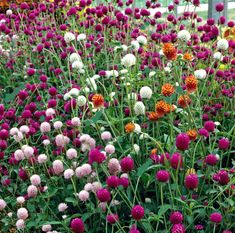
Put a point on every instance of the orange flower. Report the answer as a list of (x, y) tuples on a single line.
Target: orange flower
[(4, 3), (169, 108), (192, 133), (167, 89), (129, 127), (191, 83), (184, 101), (161, 108), (169, 51), (153, 116), (154, 151), (188, 57), (98, 100)]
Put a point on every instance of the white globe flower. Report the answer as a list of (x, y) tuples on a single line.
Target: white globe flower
[(77, 65), (139, 108), (222, 44), (135, 44), (110, 73), (81, 100), (74, 57), (200, 74), (68, 37), (74, 92), (152, 73), (67, 96), (9, 12), (218, 56), (128, 60), (136, 148), (123, 71), (137, 128), (96, 76), (142, 40), (81, 36), (124, 47), (184, 35), (146, 92)]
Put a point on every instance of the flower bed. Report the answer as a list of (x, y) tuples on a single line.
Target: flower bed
[(113, 120)]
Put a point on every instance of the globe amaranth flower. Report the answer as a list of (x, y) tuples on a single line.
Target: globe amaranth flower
[(77, 225), (182, 141), (137, 212), (191, 181), (162, 176), (216, 217)]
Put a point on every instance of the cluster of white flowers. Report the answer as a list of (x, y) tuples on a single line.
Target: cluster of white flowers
[(77, 63)]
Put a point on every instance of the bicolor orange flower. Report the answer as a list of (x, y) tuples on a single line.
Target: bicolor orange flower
[(191, 83), (129, 127), (184, 101), (153, 116), (169, 51), (98, 100), (192, 133), (168, 89), (188, 57), (161, 108)]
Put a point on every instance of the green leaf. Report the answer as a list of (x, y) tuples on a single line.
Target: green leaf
[(144, 167), (163, 209)]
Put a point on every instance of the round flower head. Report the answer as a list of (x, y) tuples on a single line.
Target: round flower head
[(68, 174), (24, 129), (218, 56), (182, 141), (74, 57), (200, 74), (62, 207), (162, 176), (142, 40), (20, 200), (35, 180), (178, 228), (46, 228), (222, 44), (112, 218), (22, 213), (20, 224), (127, 164), (184, 35), (167, 89), (69, 37), (83, 195), (224, 144), (114, 166), (45, 127), (28, 151), (32, 191), (58, 125), (137, 212), (135, 44), (19, 155), (81, 100), (139, 108), (110, 149), (216, 217), (71, 153), (209, 126), (146, 92), (81, 37), (42, 158), (211, 159), (77, 65), (50, 112), (106, 135), (176, 217), (2, 204), (76, 121), (191, 181), (103, 195), (128, 60), (77, 225), (58, 167)]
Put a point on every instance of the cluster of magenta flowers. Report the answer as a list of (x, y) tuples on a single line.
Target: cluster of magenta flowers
[(115, 118)]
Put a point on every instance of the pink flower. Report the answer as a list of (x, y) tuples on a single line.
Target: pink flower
[(77, 225), (209, 126), (32, 191), (163, 176), (137, 212), (112, 218), (224, 144), (96, 156), (62, 207), (211, 159), (45, 127), (2, 204), (182, 141), (83, 195), (22, 213), (114, 166), (20, 224), (127, 164), (58, 167), (176, 217), (68, 174), (35, 180), (176, 161), (71, 153), (103, 195), (178, 228), (216, 217), (106, 135), (112, 181), (110, 149), (191, 181)]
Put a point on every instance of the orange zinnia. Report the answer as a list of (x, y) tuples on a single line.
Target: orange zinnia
[(184, 101), (161, 107), (153, 116), (191, 83), (98, 100), (129, 127), (169, 51), (167, 89), (192, 133), (188, 57)]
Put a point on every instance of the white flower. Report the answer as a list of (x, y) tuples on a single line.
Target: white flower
[(152, 73), (139, 108), (128, 60), (124, 71), (81, 100), (68, 37), (9, 12), (146, 92), (74, 92), (161, 53), (77, 65), (136, 148), (167, 69), (74, 57), (135, 44), (142, 40), (137, 128), (96, 76), (124, 47), (91, 83), (222, 44), (218, 56), (67, 96), (184, 35), (110, 73), (200, 74), (81, 36)]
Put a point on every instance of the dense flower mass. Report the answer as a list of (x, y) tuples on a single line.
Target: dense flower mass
[(116, 118)]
